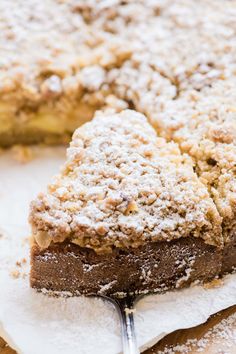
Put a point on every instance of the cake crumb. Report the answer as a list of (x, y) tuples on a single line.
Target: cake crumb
[(15, 274), (22, 262), (131, 208), (22, 154), (215, 283)]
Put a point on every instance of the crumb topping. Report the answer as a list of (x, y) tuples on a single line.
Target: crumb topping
[(210, 139), (122, 186), (174, 61), (51, 54), (182, 76)]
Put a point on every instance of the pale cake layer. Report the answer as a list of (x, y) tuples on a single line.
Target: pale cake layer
[(122, 186), (48, 124)]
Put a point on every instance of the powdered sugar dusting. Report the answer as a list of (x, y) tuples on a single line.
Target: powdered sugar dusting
[(181, 74), (136, 189), (185, 84)]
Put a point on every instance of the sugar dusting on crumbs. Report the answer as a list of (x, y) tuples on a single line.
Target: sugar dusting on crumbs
[(137, 189)]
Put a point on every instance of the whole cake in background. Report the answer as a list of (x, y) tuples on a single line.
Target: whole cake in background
[(174, 61)]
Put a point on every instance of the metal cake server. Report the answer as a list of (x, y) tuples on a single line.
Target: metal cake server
[(126, 307)]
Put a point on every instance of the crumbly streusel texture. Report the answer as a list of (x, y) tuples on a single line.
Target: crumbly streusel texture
[(123, 186), (53, 72), (181, 74), (173, 60), (47, 46)]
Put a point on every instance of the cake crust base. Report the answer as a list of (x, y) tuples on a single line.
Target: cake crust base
[(154, 267)]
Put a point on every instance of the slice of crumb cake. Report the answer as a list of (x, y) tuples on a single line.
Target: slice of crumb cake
[(127, 213)]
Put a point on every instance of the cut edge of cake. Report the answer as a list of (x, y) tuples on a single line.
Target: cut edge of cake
[(101, 212)]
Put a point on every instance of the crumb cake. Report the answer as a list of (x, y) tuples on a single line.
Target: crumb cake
[(127, 213), (173, 61)]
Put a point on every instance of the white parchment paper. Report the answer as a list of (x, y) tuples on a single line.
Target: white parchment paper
[(35, 323)]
